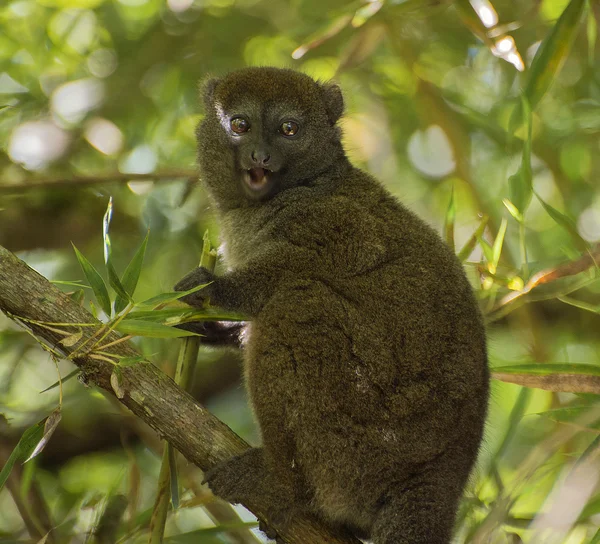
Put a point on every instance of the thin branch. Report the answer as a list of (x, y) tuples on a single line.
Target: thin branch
[(86, 181), (143, 388)]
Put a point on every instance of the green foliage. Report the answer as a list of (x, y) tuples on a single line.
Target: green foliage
[(99, 103)]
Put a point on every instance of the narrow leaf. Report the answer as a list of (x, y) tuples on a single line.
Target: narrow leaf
[(512, 209), (183, 314), (63, 380), (449, 222), (150, 329), (553, 52), (131, 275), (560, 377), (96, 282), (520, 184), (23, 449), (566, 223), (468, 248), (50, 425), (164, 298), (497, 247), (174, 480)]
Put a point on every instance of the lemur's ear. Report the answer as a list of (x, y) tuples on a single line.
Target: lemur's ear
[(334, 101), (207, 91)]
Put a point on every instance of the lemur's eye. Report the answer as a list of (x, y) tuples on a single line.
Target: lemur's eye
[(239, 125), (289, 128)]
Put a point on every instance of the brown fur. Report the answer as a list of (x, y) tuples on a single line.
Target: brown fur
[(366, 361)]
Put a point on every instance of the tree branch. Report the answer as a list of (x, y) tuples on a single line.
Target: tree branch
[(28, 298), (116, 177)]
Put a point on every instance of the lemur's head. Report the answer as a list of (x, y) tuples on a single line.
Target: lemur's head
[(266, 130)]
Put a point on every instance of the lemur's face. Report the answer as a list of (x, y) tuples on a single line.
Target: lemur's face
[(275, 127)]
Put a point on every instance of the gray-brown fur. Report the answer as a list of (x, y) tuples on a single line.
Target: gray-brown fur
[(366, 360)]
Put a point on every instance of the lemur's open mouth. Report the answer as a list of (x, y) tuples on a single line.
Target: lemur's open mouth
[(256, 178)]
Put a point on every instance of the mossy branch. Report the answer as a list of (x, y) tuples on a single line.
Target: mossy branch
[(29, 299)]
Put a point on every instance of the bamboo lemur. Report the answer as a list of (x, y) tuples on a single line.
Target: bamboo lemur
[(366, 356)]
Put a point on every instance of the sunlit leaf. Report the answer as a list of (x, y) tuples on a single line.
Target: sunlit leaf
[(29, 440), (497, 247), (131, 275), (563, 377), (113, 278), (553, 52), (96, 282)]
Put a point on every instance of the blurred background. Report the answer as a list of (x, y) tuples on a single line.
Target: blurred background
[(481, 116)]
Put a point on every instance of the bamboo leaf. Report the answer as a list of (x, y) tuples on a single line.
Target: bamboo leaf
[(131, 275), (96, 282), (566, 223), (468, 248), (520, 184), (183, 314), (22, 450), (63, 380), (113, 278), (553, 52), (149, 329), (560, 377), (165, 298), (50, 425), (497, 247)]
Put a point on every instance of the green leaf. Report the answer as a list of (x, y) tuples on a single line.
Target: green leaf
[(560, 377), (592, 34), (130, 361), (174, 480), (520, 184), (164, 298), (193, 536), (26, 445), (115, 282), (553, 52), (449, 222), (131, 275), (566, 223), (497, 247), (149, 329), (512, 209), (488, 252), (184, 315), (63, 380), (468, 248), (96, 282), (50, 425), (113, 278)]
